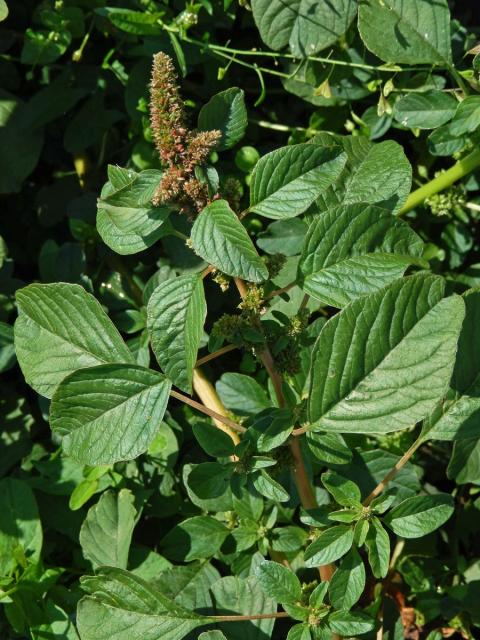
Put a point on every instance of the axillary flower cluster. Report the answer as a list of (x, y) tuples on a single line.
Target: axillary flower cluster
[(180, 149)]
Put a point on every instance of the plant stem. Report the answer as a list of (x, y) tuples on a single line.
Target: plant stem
[(394, 470), (278, 292), (215, 354), (218, 417), (257, 616), (460, 169)]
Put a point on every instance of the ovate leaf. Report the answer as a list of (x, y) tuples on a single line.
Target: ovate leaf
[(286, 181), (458, 416), (106, 532), (195, 538), (417, 516), (121, 605), (467, 116), (21, 526), (242, 394), (278, 582), (109, 413), (427, 110), (227, 113), (307, 26), (353, 250), (330, 545), (378, 545), (219, 237), (175, 315), (348, 581), (126, 219), (62, 328), (407, 337), (408, 31), (350, 623), (464, 465)]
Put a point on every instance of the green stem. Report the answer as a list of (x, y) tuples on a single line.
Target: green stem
[(460, 169)]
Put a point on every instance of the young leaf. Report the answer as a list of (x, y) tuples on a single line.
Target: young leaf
[(378, 545), (299, 632), (278, 582), (353, 250), (126, 219), (212, 440), (350, 623), (458, 416), (307, 25), (106, 532), (227, 113), (427, 110), (406, 327), (406, 31), (286, 181), (219, 237), (175, 316), (331, 545), (121, 605), (109, 413), (344, 491), (62, 328), (21, 527), (242, 394), (378, 174), (270, 488), (417, 516), (348, 581)]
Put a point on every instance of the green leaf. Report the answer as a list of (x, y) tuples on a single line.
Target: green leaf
[(62, 328), (417, 516), (278, 582), (442, 142), (330, 545), (353, 250), (127, 221), (350, 623), (213, 440), (219, 237), (348, 581), (283, 236), (210, 479), (3, 10), (427, 110), (59, 625), (378, 545), (139, 23), (21, 526), (330, 448), (467, 116), (225, 112), (44, 47), (212, 635), (109, 413), (270, 488), (242, 394), (407, 335), (464, 465), (458, 416), (344, 491), (378, 174), (121, 605), (195, 538), (406, 31), (175, 316), (286, 181), (107, 530), (307, 26)]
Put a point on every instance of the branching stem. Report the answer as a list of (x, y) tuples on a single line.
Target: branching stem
[(209, 412)]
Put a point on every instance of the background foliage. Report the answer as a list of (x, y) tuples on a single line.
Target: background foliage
[(73, 100)]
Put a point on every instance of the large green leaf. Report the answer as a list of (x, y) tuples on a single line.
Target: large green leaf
[(175, 315), (278, 582), (227, 113), (348, 581), (219, 237), (458, 416), (408, 31), (126, 219), (384, 362), (353, 250), (417, 516), (20, 527), (106, 532), (427, 110), (307, 25), (286, 181), (62, 328), (122, 606), (375, 173), (109, 413)]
